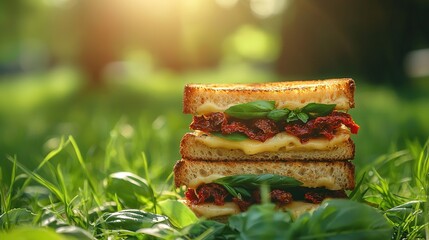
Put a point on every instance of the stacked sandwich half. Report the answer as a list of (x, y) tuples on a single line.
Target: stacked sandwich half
[(293, 137)]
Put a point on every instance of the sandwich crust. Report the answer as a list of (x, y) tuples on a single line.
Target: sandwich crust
[(192, 147), (333, 175), (203, 98)]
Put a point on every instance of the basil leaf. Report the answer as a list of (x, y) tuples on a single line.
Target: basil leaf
[(206, 229), (15, 217), (129, 219), (303, 117), (74, 232), (177, 212), (242, 192), (232, 136), (241, 183), (129, 188), (292, 116), (342, 219), (318, 109), (261, 222), (278, 114), (232, 191), (250, 110)]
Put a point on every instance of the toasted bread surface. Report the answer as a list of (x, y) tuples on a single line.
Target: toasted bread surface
[(204, 98), (193, 147), (333, 175)]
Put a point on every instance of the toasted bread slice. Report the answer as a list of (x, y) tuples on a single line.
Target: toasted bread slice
[(332, 175), (204, 98), (282, 147)]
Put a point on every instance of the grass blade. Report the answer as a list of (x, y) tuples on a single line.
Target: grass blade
[(88, 175), (40, 180)]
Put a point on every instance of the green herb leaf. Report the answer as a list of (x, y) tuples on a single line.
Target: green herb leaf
[(342, 219), (278, 114), (303, 117), (250, 110), (261, 109), (318, 109), (261, 222), (129, 187), (233, 136), (130, 219), (292, 116), (208, 230), (177, 212), (75, 232), (240, 184), (15, 217)]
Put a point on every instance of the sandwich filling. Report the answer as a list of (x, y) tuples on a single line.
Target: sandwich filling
[(262, 129), (217, 194)]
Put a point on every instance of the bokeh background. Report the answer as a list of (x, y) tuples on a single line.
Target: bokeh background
[(111, 73)]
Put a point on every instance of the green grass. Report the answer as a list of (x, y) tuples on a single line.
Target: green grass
[(71, 157)]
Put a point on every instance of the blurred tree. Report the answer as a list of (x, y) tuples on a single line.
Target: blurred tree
[(365, 38), (318, 38), (181, 35)]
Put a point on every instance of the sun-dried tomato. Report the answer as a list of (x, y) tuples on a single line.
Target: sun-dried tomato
[(217, 194), (325, 126), (211, 192), (318, 195), (264, 128), (211, 122), (280, 196), (242, 204)]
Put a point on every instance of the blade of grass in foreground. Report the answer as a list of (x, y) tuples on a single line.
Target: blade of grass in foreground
[(42, 181), (89, 177), (421, 177), (47, 158), (6, 203), (424, 174)]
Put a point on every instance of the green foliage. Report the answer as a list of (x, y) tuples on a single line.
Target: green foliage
[(335, 219), (16, 216), (401, 194), (262, 222), (75, 233), (129, 219), (33, 233), (343, 219), (177, 212), (137, 188)]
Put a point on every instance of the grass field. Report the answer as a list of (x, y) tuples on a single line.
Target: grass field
[(61, 145)]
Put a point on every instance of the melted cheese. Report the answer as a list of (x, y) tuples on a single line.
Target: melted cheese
[(282, 141), (209, 107), (297, 207), (210, 210), (328, 182), (194, 183)]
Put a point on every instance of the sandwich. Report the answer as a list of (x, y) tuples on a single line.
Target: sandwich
[(292, 136)]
